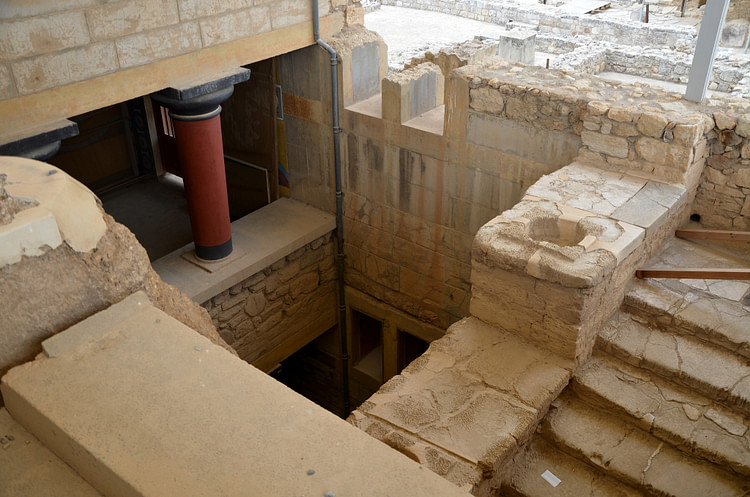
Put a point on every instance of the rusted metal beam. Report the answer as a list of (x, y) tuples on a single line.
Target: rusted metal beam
[(703, 234), (695, 273)]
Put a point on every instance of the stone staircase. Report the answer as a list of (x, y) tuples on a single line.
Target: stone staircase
[(663, 406)]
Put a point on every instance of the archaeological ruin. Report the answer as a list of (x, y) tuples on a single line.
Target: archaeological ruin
[(333, 248)]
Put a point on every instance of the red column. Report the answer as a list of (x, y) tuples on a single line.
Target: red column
[(201, 154)]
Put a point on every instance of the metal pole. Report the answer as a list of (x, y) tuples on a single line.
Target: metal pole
[(705, 49)]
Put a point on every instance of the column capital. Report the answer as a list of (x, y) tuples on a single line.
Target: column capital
[(197, 99), (39, 143)]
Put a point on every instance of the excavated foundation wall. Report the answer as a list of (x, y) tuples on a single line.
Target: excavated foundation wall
[(417, 191), (723, 199), (584, 43), (729, 75), (630, 136), (294, 295), (416, 194)]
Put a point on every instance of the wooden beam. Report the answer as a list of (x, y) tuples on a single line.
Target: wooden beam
[(695, 273), (701, 234)]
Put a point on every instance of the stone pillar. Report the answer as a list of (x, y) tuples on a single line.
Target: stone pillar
[(195, 111)]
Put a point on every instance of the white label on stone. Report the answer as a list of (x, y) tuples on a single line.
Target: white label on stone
[(550, 478)]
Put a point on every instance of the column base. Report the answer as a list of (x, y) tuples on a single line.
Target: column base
[(214, 252)]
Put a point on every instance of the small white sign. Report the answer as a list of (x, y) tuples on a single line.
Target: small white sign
[(550, 478)]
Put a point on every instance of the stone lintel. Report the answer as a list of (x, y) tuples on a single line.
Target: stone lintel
[(39, 141), (192, 88)]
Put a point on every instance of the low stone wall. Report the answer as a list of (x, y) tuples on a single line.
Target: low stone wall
[(296, 294), (723, 199), (592, 57), (551, 21)]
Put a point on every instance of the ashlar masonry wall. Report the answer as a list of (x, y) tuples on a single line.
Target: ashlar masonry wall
[(417, 189), (416, 192), (101, 53)]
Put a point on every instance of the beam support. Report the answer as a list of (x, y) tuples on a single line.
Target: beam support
[(705, 49)]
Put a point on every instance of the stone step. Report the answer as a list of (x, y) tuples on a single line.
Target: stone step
[(712, 371), (141, 405), (634, 456), (28, 468), (717, 311), (688, 421), (466, 406), (576, 477)]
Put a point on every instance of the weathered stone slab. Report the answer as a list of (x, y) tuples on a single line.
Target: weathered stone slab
[(184, 442), (29, 468), (679, 415), (635, 456), (477, 393)]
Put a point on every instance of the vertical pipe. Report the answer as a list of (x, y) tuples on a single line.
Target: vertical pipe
[(339, 203)]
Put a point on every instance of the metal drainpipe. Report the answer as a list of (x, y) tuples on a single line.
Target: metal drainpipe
[(339, 202)]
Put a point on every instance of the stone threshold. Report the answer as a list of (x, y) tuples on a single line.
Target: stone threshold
[(260, 239)]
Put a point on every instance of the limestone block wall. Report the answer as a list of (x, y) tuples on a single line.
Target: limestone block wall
[(295, 297), (647, 140), (723, 199), (125, 49), (416, 194), (417, 191)]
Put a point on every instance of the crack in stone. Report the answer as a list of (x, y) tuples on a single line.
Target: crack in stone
[(677, 351), (648, 463)]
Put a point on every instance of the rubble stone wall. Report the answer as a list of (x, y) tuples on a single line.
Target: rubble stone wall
[(723, 199), (592, 57), (294, 294)]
